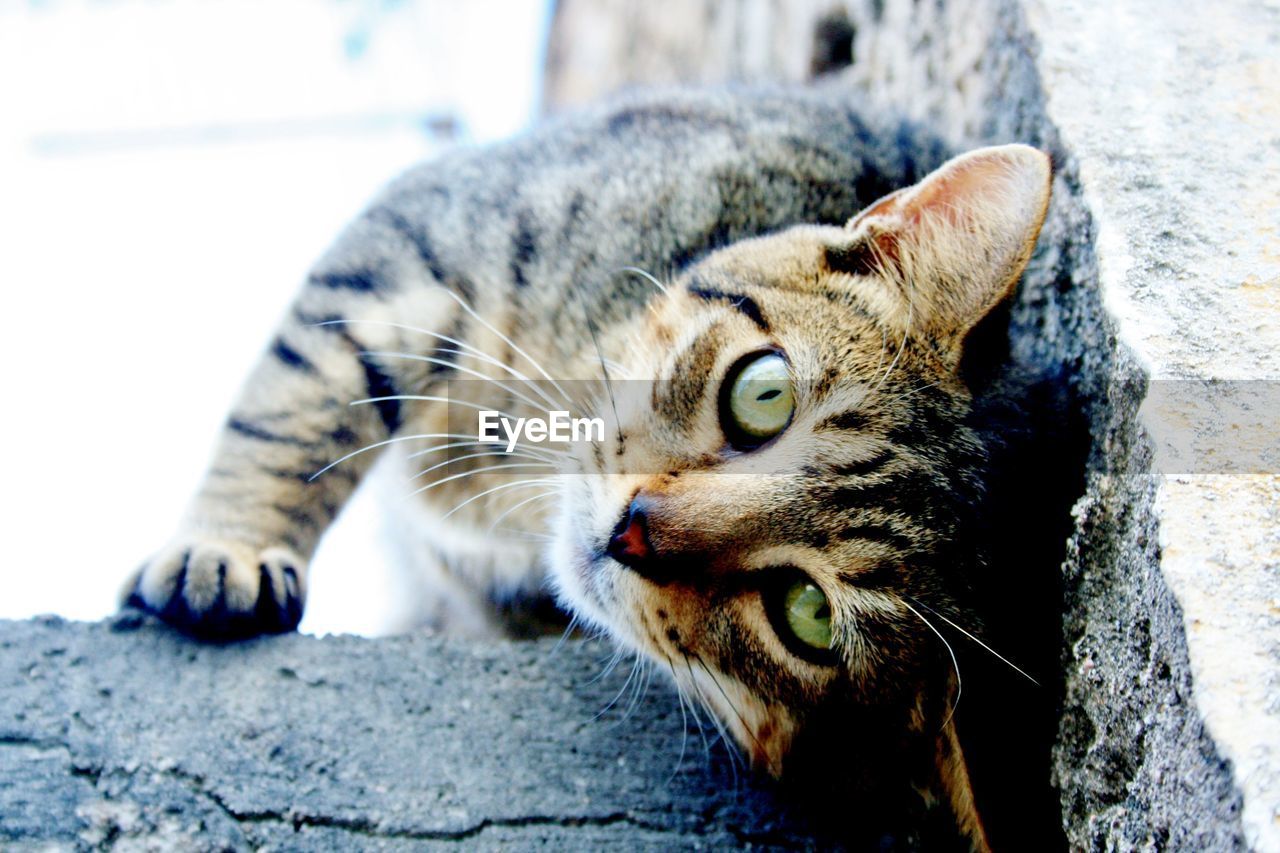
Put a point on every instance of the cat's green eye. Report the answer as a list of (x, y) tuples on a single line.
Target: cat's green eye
[(808, 614), (757, 402)]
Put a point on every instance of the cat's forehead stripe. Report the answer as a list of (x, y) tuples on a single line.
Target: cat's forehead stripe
[(745, 304), (880, 576), (878, 533), (865, 467), (854, 419), (692, 369), (911, 492)]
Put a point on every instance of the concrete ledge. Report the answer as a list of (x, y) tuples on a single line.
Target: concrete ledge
[(123, 734)]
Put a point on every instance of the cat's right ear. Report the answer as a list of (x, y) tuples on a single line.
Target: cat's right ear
[(951, 247)]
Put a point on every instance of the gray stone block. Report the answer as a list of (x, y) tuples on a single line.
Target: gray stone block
[(126, 735)]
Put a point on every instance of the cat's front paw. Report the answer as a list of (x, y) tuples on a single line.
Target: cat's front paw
[(222, 590)]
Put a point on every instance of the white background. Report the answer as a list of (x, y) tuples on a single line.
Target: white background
[(168, 171)]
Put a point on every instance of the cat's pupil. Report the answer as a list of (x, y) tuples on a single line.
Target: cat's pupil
[(756, 401), (805, 623)]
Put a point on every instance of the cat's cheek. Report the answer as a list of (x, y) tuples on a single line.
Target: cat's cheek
[(772, 741), (571, 574)]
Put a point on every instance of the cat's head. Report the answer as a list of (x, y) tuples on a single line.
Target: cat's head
[(781, 520)]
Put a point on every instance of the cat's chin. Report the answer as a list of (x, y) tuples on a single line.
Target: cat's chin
[(595, 588)]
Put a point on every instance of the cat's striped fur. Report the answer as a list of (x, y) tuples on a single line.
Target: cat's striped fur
[(524, 261)]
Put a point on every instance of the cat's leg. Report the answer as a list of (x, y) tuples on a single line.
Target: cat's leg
[(238, 563)]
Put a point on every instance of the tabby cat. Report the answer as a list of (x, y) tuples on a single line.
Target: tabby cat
[(777, 512)]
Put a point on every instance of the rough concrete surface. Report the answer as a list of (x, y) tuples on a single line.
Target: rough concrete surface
[(125, 735), (1180, 170), (1160, 261)]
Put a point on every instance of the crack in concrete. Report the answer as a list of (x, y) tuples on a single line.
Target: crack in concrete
[(41, 744), (143, 774), (366, 828), (199, 786)]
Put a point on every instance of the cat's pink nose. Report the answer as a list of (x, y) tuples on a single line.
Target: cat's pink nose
[(630, 543)]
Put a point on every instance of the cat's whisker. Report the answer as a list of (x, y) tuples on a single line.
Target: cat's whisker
[(884, 350), (638, 684), (635, 665), (954, 663), (598, 714), (585, 403), (609, 664), (427, 398), (511, 509), (719, 736), (474, 351), (736, 759), (520, 483), (473, 472), (480, 356), (432, 398), (526, 534), (684, 721), (514, 346), (901, 348), (693, 709), (595, 341), (599, 395), (429, 469), (641, 688), (568, 631), (615, 367), (730, 702), (539, 453), (646, 277), (999, 656), (516, 375), (534, 404), (384, 443), (907, 394)]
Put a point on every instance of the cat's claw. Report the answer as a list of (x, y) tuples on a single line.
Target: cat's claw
[(222, 591)]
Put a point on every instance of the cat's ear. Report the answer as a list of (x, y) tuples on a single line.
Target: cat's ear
[(953, 246)]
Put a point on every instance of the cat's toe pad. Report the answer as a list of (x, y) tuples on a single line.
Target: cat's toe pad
[(222, 590)]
